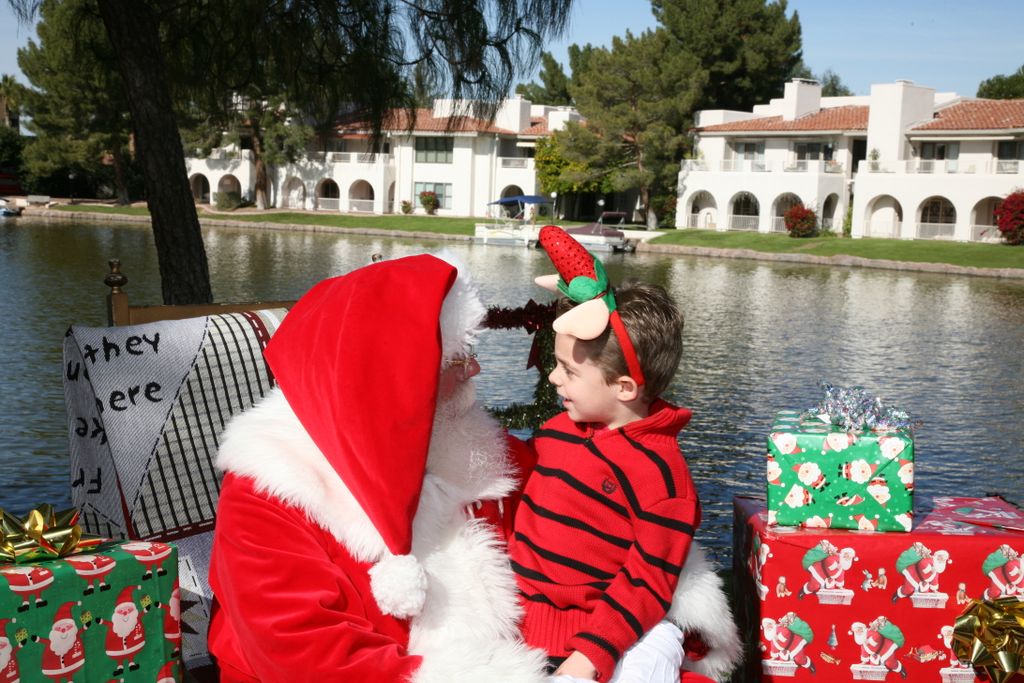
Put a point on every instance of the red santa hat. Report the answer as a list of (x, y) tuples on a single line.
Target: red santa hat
[(3, 625), (125, 595), (166, 673), (64, 612), (358, 359)]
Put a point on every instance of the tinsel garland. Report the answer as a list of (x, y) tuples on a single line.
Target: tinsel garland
[(536, 319)]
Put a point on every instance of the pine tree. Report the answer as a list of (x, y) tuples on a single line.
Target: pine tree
[(1003, 87)]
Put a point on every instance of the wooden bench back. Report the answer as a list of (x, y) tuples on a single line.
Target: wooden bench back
[(120, 312)]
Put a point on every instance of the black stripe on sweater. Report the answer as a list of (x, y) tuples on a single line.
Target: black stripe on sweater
[(666, 471), (528, 573), (551, 556), (574, 523), (640, 583), (634, 502), (659, 562), (627, 616), (558, 436), (601, 643), (580, 487)]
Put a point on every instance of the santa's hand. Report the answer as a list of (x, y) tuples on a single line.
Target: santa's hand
[(569, 679), (655, 658), (577, 665)]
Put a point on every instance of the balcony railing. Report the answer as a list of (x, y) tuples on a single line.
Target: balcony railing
[(985, 233), (360, 205), (779, 224), (941, 166), (931, 231), (356, 157), (743, 222), (879, 228), (1007, 166), (762, 166), (327, 203), (694, 221), (516, 162)]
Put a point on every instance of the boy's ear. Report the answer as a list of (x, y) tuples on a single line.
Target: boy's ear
[(628, 389)]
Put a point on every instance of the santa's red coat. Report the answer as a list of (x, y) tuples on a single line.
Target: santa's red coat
[(121, 648), (54, 665)]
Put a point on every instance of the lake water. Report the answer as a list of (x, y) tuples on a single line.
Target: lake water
[(758, 339)]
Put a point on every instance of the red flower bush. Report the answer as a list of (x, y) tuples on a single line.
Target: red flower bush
[(801, 221), (1010, 217)]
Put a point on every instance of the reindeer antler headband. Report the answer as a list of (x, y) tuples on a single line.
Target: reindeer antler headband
[(582, 278)]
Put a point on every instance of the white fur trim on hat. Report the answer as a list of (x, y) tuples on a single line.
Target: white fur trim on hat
[(399, 585), (462, 311)]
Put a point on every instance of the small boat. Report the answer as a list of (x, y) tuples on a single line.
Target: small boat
[(600, 236), (512, 227), (9, 212)]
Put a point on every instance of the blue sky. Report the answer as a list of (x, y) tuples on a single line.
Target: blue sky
[(950, 45)]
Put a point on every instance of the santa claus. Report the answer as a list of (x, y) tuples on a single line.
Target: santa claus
[(63, 653), (126, 635), (1005, 571), (8, 659), (826, 567), (28, 582), (166, 673), (359, 528), (172, 620), (788, 639), (94, 569), (785, 442), (921, 569), (150, 554)]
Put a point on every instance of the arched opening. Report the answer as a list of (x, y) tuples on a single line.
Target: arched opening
[(390, 206), (200, 188), (830, 220), (328, 195), (783, 203), (937, 219), (510, 210), (360, 196), (884, 217), (294, 194), (703, 211), (744, 212), (511, 191), (229, 183), (983, 220)]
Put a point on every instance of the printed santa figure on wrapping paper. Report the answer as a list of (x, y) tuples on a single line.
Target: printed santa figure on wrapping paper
[(826, 567), (28, 582), (921, 568), (1005, 572), (879, 643), (8, 654), (946, 635), (786, 443), (150, 554), (787, 640), (92, 568), (166, 673), (172, 619), (63, 653), (126, 635), (759, 554)]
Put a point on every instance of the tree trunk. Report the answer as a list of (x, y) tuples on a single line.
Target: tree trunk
[(133, 31), (262, 196), (120, 184)]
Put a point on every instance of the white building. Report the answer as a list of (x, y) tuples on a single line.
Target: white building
[(468, 165), (913, 163)]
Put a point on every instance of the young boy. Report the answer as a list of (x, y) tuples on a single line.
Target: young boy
[(607, 516)]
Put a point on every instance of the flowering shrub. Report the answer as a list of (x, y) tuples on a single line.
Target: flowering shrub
[(801, 221), (429, 201), (1010, 217), (406, 207)]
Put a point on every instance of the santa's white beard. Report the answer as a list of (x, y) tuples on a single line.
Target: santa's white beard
[(122, 625), (467, 448), (61, 642), (175, 608), (5, 653)]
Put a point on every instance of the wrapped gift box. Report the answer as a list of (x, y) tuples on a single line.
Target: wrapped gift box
[(837, 605), (111, 614), (822, 476)]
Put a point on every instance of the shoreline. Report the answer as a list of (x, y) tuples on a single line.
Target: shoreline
[(843, 260)]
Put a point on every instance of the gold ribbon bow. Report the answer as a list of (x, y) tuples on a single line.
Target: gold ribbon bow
[(43, 534), (990, 635)]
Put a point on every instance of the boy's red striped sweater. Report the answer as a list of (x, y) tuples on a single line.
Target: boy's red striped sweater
[(602, 532)]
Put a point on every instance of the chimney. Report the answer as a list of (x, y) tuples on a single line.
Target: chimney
[(801, 97)]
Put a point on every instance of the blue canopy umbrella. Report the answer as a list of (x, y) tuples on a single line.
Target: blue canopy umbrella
[(523, 199)]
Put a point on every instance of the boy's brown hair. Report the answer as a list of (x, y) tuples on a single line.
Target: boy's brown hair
[(655, 326)]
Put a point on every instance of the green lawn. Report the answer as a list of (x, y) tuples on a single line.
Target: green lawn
[(922, 251)]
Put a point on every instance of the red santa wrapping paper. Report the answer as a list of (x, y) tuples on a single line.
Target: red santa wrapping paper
[(110, 614), (837, 605)]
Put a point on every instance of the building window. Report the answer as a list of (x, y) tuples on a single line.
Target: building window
[(434, 150), (813, 151), (442, 190), (748, 151), (938, 210), (940, 150)]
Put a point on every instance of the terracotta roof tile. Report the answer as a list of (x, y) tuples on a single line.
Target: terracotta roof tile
[(849, 117), (537, 127), (425, 122), (978, 115)]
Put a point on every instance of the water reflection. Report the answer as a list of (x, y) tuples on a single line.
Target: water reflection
[(758, 338)]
